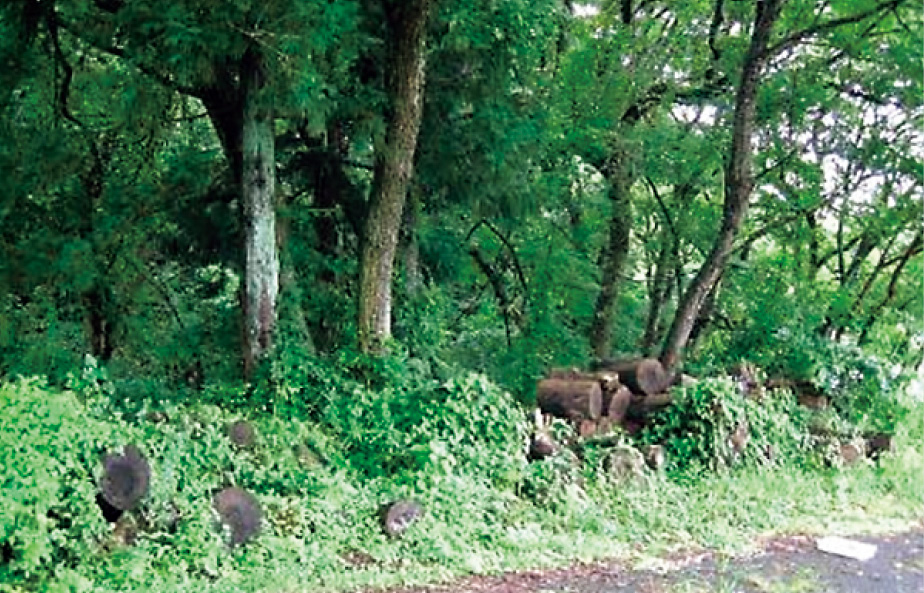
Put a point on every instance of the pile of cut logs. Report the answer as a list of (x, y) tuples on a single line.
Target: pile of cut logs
[(615, 393)]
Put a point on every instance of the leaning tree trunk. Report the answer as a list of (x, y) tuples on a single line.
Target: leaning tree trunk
[(394, 163), (739, 182), (612, 258), (261, 263)]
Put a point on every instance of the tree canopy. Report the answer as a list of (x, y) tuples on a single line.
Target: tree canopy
[(191, 189)]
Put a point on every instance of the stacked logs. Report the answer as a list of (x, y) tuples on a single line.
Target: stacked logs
[(610, 395)]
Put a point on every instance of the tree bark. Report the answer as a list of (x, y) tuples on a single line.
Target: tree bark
[(394, 162), (658, 291), (739, 183), (613, 257), (258, 184)]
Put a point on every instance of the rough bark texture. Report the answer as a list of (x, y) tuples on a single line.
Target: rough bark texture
[(261, 264), (739, 182), (612, 259), (572, 400), (393, 169)]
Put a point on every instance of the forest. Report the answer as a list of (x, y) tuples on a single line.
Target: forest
[(305, 295)]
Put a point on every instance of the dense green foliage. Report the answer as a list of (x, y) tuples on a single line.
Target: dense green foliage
[(320, 493), (570, 182)]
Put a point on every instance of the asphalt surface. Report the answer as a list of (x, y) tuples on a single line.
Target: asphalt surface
[(785, 565)]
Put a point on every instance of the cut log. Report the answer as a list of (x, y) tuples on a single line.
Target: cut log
[(877, 444), (615, 404), (397, 516), (541, 445), (572, 400), (625, 464), (643, 376), (852, 452), (812, 402), (655, 457), (608, 380)]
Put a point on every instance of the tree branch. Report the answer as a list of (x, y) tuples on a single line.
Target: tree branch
[(824, 27), (913, 249), (510, 249)]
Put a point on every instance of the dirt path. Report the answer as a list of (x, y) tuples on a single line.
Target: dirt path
[(785, 565)]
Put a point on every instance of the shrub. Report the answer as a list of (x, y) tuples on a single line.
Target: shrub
[(411, 423), (711, 424), (49, 460)]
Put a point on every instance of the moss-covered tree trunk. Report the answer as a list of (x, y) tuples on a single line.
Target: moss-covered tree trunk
[(394, 163), (612, 257), (739, 182), (261, 263)]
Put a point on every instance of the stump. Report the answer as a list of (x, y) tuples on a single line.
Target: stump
[(397, 516), (573, 400), (624, 463), (877, 444), (541, 446), (655, 457), (240, 512)]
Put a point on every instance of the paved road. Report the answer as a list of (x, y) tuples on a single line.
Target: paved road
[(786, 565)]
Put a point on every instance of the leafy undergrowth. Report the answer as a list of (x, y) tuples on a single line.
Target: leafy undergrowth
[(322, 479)]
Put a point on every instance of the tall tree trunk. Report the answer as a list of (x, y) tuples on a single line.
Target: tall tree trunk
[(258, 185), (739, 182), (394, 163), (659, 289), (613, 257)]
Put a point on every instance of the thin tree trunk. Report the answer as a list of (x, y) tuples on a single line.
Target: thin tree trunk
[(612, 258), (660, 286), (394, 163), (261, 263), (739, 182)]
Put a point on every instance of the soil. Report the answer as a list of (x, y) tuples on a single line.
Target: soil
[(791, 564)]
